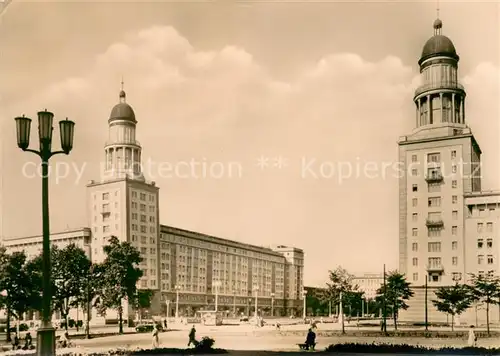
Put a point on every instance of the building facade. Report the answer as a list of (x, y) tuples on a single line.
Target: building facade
[(185, 269), (369, 283), (440, 192)]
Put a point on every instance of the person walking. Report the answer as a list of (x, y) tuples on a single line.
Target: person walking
[(156, 337), (472, 337), (192, 337)]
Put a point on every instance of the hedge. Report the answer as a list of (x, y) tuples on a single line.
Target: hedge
[(409, 349), (437, 334)]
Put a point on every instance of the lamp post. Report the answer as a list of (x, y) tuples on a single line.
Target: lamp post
[(272, 304), (177, 289), (304, 294), (46, 337), (248, 306), (217, 284), (234, 302), (256, 290), (167, 302)]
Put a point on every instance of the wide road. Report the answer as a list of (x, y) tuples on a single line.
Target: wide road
[(257, 341)]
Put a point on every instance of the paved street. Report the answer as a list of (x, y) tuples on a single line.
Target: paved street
[(257, 341)]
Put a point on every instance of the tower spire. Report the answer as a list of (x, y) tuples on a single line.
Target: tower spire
[(122, 93), (437, 9)]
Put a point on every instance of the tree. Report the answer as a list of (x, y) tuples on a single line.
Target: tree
[(142, 300), (396, 292), (485, 289), (91, 286), (340, 284), (453, 300), (120, 276), (70, 267), (20, 283)]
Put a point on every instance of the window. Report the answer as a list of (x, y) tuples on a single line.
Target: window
[(489, 227), (489, 243), (434, 157), (414, 247), (480, 259), (434, 173), (414, 172), (414, 188), (415, 276), (434, 232), (434, 247), (454, 214), (415, 261), (435, 216), (490, 259), (434, 187), (414, 202), (453, 154), (434, 278), (105, 208), (454, 230), (434, 262), (105, 196), (143, 196), (454, 199), (454, 261), (414, 158), (480, 243), (414, 217), (479, 227), (454, 183), (454, 245), (454, 168), (434, 202)]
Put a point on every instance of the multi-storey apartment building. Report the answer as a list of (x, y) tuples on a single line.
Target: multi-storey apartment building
[(178, 265), (369, 283), (441, 188)]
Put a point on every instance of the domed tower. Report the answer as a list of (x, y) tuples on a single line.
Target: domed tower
[(440, 98), (441, 161), (123, 152)]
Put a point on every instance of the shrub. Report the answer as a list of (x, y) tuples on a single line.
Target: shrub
[(205, 344), (408, 349)]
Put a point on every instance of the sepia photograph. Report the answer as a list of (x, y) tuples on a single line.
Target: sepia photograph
[(249, 177)]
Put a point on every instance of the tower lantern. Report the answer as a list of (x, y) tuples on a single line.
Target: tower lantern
[(440, 98)]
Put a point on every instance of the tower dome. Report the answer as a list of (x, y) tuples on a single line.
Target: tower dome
[(122, 110), (438, 45)]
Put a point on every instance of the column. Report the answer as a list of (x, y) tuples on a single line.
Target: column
[(419, 106), (461, 118), (453, 107), (429, 110), (416, 116), (441, 103)]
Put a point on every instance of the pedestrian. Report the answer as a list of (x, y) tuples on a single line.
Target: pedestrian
[(156, 339), (165, 325), (192, 337), (15, 342), (472, 337)]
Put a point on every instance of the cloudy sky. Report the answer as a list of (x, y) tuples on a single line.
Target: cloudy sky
[(318, 84)]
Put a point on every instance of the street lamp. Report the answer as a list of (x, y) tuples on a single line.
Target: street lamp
[(167, 302), (304, 294), (177, 289), (234, 302), (256, 290), (248, 306), (217, 284), (46, 336), (272, 304)]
